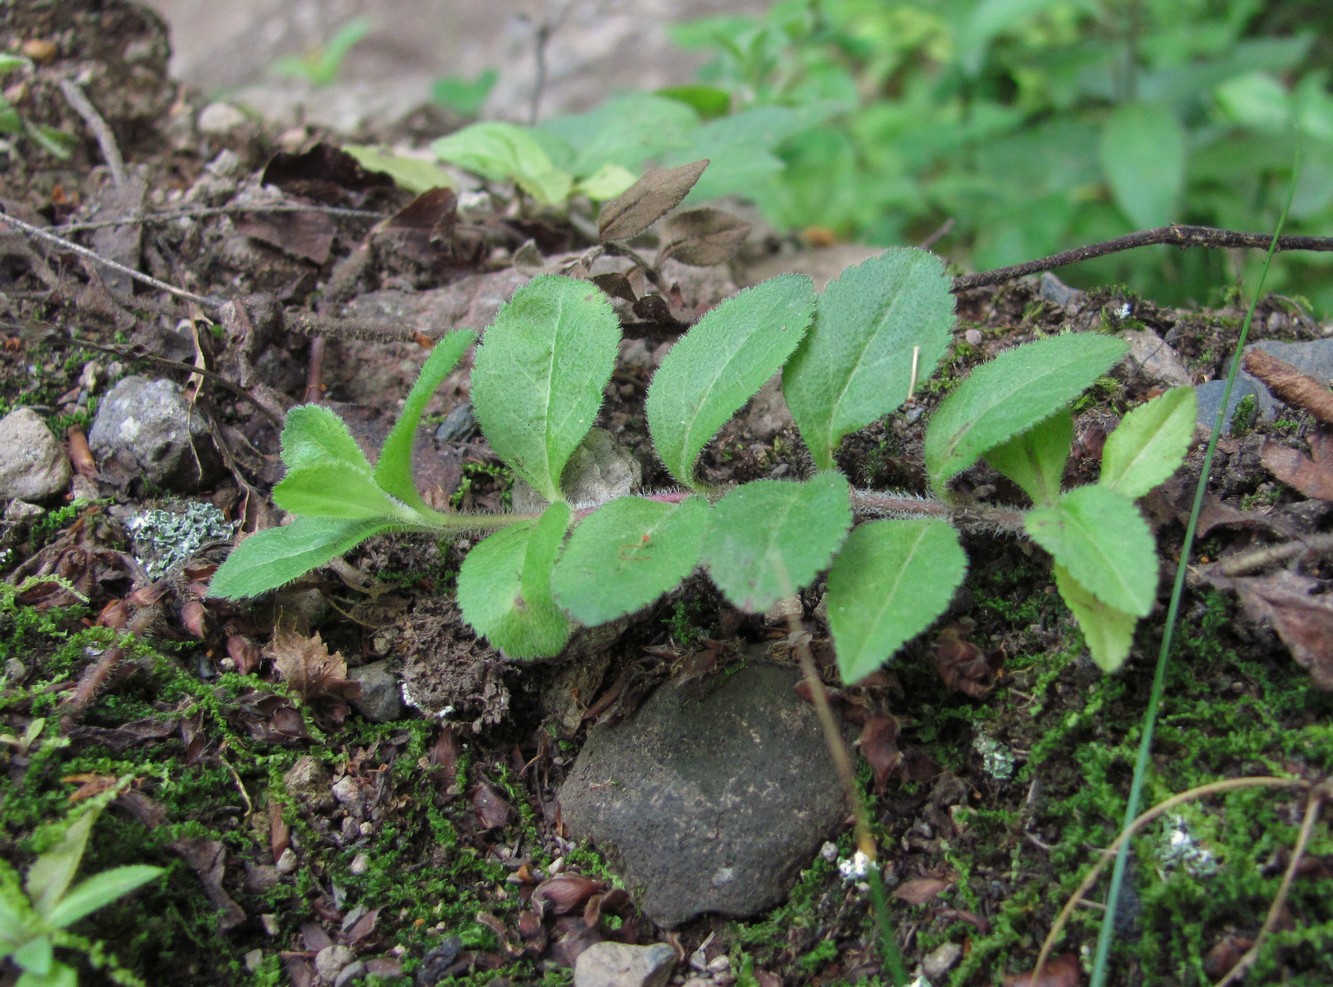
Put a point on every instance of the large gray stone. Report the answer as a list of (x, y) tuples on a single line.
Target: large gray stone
[(146, 430), (1313, 357), (711, 797), (33, 464)]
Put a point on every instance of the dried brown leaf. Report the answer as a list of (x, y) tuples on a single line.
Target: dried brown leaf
[(961, 664), (919, 890), (307, 235), (208, 859), (1302, 618), (879, 746), (307, 665), (565, 893), (702, 237), (646, 201), (1311, 476), (492, 810)]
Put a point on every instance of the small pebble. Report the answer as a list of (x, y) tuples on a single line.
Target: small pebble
[(287, 861), (360, 864)]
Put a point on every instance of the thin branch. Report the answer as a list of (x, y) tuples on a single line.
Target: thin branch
[(1312, 810), (106, 140), (1213, 788), (1174, 235), (213, 304), (203, 211)]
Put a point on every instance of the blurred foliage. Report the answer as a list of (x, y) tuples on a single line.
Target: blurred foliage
[(1032, 126)]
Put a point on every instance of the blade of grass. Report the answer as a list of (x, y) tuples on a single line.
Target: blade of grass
[(1141, 764)]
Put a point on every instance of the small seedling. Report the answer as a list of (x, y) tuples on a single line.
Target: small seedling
[(35, 915), (848, 357), (320, 65)]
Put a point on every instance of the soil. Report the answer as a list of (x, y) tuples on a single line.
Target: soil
[(994, 756)]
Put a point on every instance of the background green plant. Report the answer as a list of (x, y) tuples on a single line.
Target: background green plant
[(1118, 115), (896, 122)]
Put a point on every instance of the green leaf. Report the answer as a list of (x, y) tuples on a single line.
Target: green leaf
[(337, 490), (1107, 631), (505, 152), (36, 956), (504, 587), (891, 580), (539, 374), (1143, 155), (606, 182), (626, 554), (99, 890), (393, 471), (411, 174), (770, 538), (856, 363), (275, 556), (624, 130), (312, 435), (1099, 536), (1150, 444), (465, 97), (719, 365), (1035, 459), (53, 870), (1012, 393)]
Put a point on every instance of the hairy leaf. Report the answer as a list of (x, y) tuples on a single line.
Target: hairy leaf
[(393, 471), (539, 374), (770, 538), (720, 364), (1035, 459), (312, 435), (1107, 631), (1015, 391), (1150, 444), (1100, 537), (889, 582), (856, 363), (504, 587), (275, 556), (1143, 154), (646, 201), (337, 490), (626, 554)]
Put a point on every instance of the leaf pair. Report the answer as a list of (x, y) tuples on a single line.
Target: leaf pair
[(1013, 411), (341, 499)]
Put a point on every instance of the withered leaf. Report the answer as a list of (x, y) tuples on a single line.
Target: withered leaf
[(492, 810), (646, 201), (1302, 618), (307, 235), (961, 664), (565, 893), (1311, 476), (616, 285), (306, 664), (701, 237), (1059, 971), (919, 890), (879, 746), (324, 173), (208, 859)]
